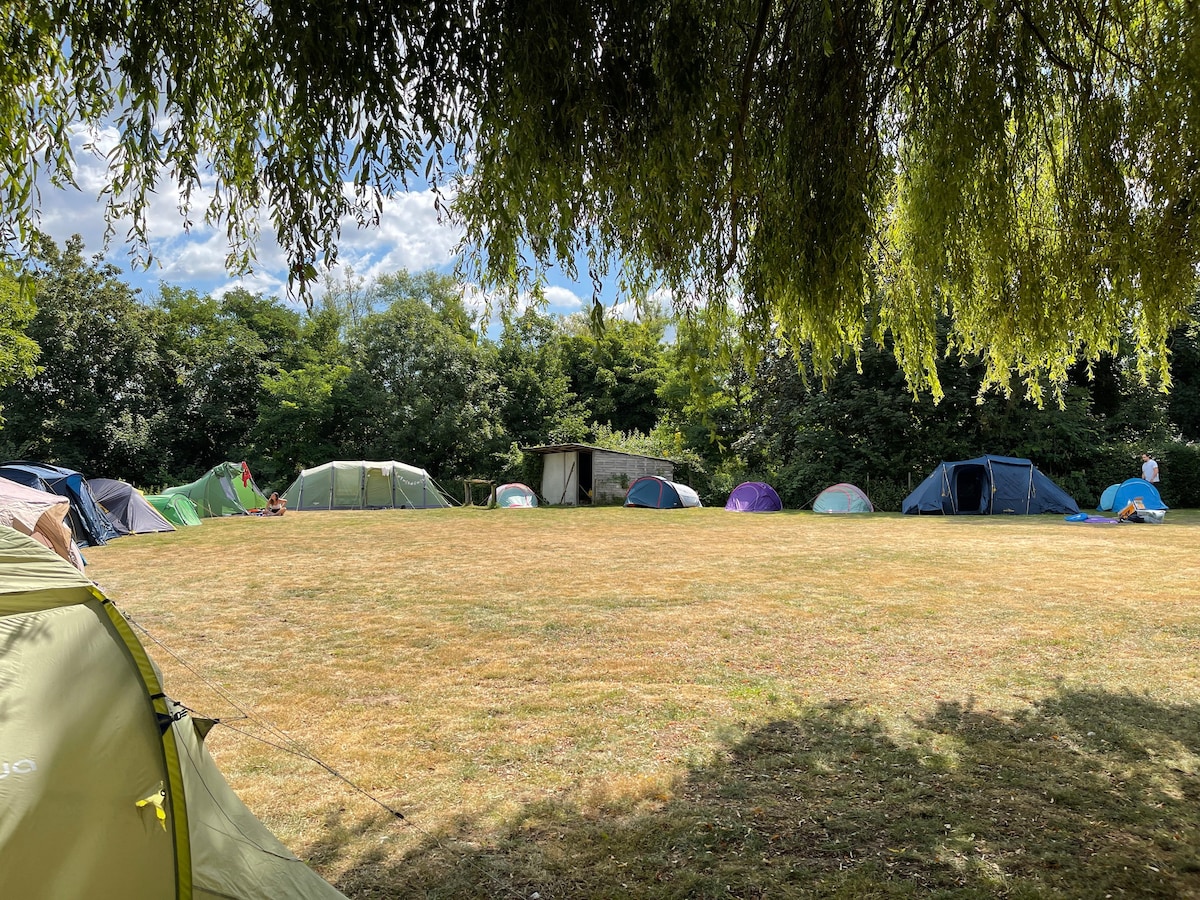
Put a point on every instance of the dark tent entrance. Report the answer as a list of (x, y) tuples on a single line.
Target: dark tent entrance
[(969, 489)]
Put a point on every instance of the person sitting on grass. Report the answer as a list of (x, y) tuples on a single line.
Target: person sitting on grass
[(276, 505)]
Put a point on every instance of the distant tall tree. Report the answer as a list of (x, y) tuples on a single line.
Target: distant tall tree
[(536, 403), (18, 352), (91, 404), (216, 352), (705, 393), (419, 389), (617, 373), (1183, 407)]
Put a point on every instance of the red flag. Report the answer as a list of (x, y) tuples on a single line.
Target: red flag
[(245, 474)]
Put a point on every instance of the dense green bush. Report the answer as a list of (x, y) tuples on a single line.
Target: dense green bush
[(1179, 471)]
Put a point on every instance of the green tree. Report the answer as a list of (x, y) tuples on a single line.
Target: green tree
[(1183, 408), (91, 403), (298, 422), (842, 169), (704, 403), (536, 403), (18, 352), (617, 372), (419, 391), (216, 351)]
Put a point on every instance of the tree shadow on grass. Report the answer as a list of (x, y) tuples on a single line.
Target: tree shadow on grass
[(1086, 794)]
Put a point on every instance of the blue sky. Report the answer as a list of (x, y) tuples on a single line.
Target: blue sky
[(408, 236)]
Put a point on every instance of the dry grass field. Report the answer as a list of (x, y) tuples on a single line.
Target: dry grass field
[(611, 703)]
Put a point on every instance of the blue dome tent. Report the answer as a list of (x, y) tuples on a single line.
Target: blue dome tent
[(1129, 490), (654, 492), (988, 485), (90, 526)]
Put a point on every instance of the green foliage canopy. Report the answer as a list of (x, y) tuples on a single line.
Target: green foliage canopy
[(840, 169)]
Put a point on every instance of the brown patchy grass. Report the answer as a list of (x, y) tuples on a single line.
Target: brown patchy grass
[(632, 703)]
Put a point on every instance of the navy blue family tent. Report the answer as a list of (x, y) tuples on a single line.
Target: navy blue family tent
[(654, 492), (1118, 496), (754, 496), (989, 485), (89, 524)]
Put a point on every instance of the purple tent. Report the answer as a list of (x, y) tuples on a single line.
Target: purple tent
[(754, 496)]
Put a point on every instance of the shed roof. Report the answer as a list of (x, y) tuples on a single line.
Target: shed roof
[(569, 448)]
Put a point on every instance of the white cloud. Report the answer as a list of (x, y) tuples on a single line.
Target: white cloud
[(409, 235), (564, 301)]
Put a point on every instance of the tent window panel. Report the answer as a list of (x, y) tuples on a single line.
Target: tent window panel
[(347, 489)]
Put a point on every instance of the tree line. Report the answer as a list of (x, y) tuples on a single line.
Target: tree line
[(158, 390)]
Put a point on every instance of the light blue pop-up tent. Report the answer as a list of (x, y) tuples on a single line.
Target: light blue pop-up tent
[(1118, 496), (842, 498)]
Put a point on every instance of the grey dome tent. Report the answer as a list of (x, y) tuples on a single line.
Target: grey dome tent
[(988, 485), (127, 509), (111, 794)]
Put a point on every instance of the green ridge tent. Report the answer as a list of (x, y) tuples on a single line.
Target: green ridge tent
[(364, 485), (111, 795), (175, 508), (224, 490)]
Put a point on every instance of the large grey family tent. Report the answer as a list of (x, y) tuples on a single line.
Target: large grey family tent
[(842, 498), (754, 496), (89, 524), (1118, 496), (515, 496), (988, 485), (175, 508), (127, 509), (111, 794), (364, 485), (41, 515), (224, 490), (653, 492)]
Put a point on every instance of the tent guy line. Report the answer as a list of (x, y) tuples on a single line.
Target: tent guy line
[(293, 747)]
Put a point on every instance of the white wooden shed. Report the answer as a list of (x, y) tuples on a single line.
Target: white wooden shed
[(580, 474)]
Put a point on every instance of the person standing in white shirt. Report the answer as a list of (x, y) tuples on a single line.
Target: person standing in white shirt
[(1150, 469)]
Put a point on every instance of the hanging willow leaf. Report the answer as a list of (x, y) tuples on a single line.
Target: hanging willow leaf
[(838, 170)]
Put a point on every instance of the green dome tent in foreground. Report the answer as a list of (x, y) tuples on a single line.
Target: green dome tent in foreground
[(111, 796), (224, 490)]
